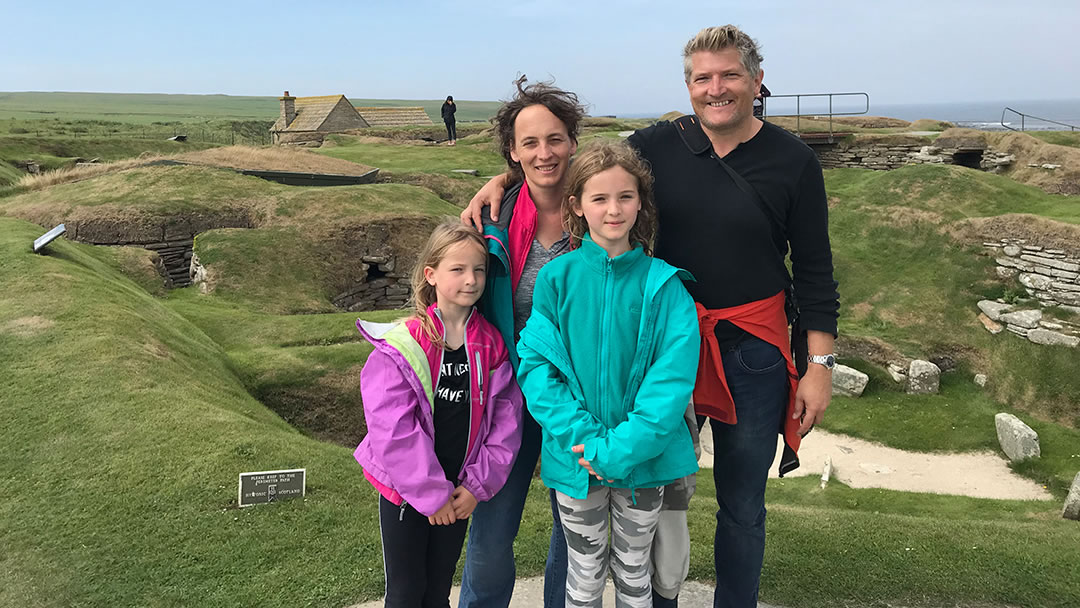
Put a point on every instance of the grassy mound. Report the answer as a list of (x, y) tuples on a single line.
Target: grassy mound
[(124, 432), (56, 152), (929, 124), (906, 280)]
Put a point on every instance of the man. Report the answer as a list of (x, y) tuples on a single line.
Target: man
[(733, 195), (732, 230)]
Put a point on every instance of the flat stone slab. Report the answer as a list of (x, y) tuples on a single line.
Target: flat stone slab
[(1027, 319), (1018, 440), (1052, 338), (991, 326), (993, 309)]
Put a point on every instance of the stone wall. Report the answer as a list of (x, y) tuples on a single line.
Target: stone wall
[(883, 155), (1052, 276), (300, 138)]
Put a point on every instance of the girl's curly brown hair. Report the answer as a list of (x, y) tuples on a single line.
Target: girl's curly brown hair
[(601, 156)]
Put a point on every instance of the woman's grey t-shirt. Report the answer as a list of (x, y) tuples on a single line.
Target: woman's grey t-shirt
[(523, 296)]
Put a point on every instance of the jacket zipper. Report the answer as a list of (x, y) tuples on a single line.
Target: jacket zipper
[(468, 436), (401, 514), (605, 332)]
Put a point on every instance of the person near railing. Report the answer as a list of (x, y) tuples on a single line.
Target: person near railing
[(759, 101)]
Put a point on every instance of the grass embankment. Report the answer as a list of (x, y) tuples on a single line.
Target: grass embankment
[(124, 476), (1061, 138), (905, 280)]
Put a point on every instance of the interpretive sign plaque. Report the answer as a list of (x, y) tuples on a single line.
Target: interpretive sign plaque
[(271, 486), (48, 237)]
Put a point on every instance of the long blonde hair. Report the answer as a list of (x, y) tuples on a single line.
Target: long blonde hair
[(445, 236), (596, 158)]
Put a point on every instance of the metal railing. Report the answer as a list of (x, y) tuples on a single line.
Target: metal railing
[(1025, 116), (798, 107)]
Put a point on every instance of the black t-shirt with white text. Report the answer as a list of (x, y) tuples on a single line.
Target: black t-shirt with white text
[(452, 412)]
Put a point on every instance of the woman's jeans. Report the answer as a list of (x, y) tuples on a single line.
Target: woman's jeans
[(489, 575), (757, 376), (451, 130)]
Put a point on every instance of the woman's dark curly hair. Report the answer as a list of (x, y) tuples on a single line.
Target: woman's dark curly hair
[(563, 104)]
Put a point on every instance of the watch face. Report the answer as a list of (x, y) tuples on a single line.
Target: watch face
[(830, 361)]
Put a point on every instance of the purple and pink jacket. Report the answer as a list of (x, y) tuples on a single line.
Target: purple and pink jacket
[(398, 383)]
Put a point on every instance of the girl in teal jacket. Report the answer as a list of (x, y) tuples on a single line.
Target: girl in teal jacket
[(608, 361)]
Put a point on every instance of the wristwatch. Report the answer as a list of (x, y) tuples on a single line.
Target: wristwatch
[(829, 361)]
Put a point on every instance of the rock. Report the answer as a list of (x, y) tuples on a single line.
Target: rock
[(1072, 501), (473, 172), (1049, 325), (1052, 338), (1059, 264), (924, 378), (993, 309), (1018, 440), (980, 379), (1019, 264), (1035, 281), (897, 373), (1073, 309), (1011, 250), (1016, 329), (991, 326), (848, 381), (1006, 273), (1027, 319), (1049, 166)]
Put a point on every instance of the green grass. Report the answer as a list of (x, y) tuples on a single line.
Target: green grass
[(1061, 138), (140, 108), (8, 174), (905, 281), (410, 157), (56, 152)]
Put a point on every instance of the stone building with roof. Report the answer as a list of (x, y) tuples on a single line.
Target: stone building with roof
[(307, 120), (395, 117)]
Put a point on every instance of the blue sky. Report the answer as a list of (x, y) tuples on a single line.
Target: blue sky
[(620, 57)]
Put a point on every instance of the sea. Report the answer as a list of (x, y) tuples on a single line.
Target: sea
[(1035, 115)]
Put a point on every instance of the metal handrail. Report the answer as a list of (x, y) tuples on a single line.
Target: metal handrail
[(798, 107), (1023, 116)]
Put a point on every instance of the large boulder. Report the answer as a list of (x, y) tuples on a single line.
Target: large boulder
[(848, 381), (1072, 501), (1018, 440), (924, 378)]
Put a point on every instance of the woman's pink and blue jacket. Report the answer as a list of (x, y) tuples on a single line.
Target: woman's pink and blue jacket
[(397, 384)]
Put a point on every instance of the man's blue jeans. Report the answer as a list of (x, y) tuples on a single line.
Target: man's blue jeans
[(489, 575), (743, 452)]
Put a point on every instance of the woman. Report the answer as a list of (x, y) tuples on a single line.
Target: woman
[(537, 132), (448, 109)]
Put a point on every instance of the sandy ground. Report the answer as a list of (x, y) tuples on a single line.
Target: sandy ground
[(863, 464), (529, 593)]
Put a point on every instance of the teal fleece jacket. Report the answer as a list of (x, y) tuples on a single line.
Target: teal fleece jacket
[(608, 360)]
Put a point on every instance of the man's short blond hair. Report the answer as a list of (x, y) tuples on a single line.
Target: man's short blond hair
[(718, 38)]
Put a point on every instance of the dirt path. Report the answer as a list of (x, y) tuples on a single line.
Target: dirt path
[(863, 464)]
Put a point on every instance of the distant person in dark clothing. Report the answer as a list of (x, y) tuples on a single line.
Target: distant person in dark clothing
[(448, 109), (759, 101)]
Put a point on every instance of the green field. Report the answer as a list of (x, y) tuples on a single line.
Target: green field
[(130, 409), (144, 109)]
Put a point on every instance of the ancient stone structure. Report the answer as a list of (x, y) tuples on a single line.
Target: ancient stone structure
[(896, 152), (1050, 275), (308, 120), (395, 117), (1018, 440), (382, 286), (171, 237)]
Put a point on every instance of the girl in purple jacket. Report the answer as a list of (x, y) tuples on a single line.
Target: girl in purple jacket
[(443, 415)]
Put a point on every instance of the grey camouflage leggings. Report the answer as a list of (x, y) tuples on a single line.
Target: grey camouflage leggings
[(632, 527)]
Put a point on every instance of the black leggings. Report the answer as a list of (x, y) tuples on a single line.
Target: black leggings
[(419, 558), (451, 130)]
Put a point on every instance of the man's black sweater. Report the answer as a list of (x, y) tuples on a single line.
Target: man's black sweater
[(710, 227)]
